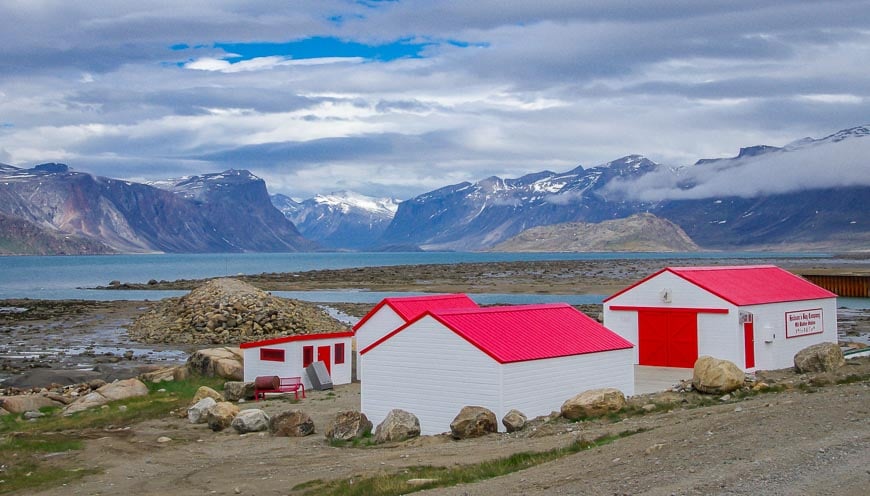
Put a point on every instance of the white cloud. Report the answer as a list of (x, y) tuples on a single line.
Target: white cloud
[(502, 88), (263, 63), (826, 165)]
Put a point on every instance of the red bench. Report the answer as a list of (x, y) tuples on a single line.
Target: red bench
[(275, 384)]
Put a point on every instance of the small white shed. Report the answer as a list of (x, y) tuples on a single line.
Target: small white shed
[(392, 313), (288, 356), (529, 357), (757, 316)]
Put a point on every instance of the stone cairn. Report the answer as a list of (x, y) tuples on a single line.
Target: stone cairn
[(229, 311)]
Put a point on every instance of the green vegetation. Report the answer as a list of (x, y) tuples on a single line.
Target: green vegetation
[(35, 454), (397, 483)]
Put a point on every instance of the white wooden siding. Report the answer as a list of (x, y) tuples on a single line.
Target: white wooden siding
[(292, 364), (683, 294), (538, 387), (385, 321), (721, 335), (625, 324), (431, 372), (770, 318)]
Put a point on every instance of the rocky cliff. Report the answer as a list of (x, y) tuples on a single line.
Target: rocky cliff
[(231, 212)]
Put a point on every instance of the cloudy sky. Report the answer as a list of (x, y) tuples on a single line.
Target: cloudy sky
[(402, 97)]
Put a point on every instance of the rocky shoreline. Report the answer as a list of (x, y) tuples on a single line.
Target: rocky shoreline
[(90, 339)]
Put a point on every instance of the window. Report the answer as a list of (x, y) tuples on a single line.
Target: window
[(272, 354), (339, 353), (307, 355)]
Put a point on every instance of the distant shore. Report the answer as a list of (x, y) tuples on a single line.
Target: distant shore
[(528, 277)]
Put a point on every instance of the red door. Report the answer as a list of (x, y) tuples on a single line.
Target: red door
[(323, 356), (749, 344), (667, 339)]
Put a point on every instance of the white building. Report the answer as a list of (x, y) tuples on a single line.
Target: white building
[(392, 313), (288, 356), (531, 358), (758, 317)]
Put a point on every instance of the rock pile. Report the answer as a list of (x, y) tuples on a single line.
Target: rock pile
[(228, 311)]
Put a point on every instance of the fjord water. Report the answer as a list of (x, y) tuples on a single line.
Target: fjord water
[(68, 277)]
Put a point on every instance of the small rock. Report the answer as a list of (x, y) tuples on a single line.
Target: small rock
[(593, 403), (349, 425), (514, 421), (714, 376), (293, 423), (33, 414), (221, 415), (164, 439), (654, 448), (198, 413), (473, 421), (421, 482), (397, 426)]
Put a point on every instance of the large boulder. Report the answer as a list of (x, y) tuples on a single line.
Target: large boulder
[(221, 415), (26, 403), (252, 420), (114, 391), (238, 390), (225, 362), (593, 403), (198, 413), (206, 392), (165, 374), (348, 425), (822, 357), (292, 423), (473, 421), (514, 420), (397, 426), (121, 390), (715, 376)]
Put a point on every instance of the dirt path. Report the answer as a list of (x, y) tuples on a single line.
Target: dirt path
[(778, 443)]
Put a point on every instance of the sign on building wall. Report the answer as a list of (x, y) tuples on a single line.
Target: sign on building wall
[(803, 323)]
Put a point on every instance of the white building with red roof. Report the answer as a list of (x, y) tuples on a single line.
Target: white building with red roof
[(289, 355), (757, 316), (392, 313), (530, 357)]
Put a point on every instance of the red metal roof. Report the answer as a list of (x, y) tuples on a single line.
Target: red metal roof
[(526, 332), (296, 337), (411, 307), (746, 284)]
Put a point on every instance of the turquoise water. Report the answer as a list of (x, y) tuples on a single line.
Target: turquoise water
[(65, 277)]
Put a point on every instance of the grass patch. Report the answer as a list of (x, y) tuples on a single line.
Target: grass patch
[(397, 483), (852, 379), (359, 442), (26, 447)]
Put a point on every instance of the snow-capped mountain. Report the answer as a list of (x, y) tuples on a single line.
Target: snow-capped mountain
[(469, 216), (810, 194), (339, 220)]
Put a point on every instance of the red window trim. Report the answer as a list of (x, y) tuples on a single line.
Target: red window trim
[(339, 353), (307, 355), (272, 354)]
